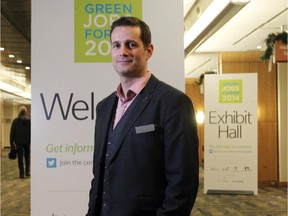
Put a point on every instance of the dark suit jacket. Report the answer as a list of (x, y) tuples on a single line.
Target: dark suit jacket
[(153, 171)]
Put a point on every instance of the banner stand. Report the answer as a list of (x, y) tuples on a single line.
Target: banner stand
[(231, 134), (230, 192), (73, 72)]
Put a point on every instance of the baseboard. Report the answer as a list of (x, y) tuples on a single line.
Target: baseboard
[(282, 184), (272, 183)]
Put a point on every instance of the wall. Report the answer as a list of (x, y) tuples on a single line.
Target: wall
[(193, 91), (267, 109), (1, 122), (282, 80)]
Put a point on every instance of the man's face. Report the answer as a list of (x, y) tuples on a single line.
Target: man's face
[(128, 53)]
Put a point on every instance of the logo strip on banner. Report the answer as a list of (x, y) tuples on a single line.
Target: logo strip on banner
[(231, 134), (93, 20)]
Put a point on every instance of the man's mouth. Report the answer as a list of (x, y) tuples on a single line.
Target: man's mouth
[(124, 61)]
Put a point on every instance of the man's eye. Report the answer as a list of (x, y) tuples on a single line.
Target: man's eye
[(132, 45), (115, 46)]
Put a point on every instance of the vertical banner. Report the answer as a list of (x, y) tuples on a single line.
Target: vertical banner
[(71, 73), (230, 134)]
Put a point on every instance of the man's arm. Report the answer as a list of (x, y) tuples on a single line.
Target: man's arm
[(181, 158), (12, 135)]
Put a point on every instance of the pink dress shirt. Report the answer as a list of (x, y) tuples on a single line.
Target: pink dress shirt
[(124, 101)]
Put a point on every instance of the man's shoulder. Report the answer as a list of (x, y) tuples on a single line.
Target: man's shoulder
[(109, 99), (167, 89)]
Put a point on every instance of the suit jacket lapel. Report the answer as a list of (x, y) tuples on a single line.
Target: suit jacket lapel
[(138, 105)]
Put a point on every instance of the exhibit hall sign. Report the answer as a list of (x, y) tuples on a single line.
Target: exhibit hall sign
[(230, 134), (72, 72)]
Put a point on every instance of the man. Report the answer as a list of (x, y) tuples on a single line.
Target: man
[(20, 135), (146, 144)]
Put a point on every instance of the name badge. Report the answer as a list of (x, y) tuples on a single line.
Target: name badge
[(145, 128)]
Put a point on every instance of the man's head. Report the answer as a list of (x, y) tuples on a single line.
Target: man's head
[(131, 47), (135, 22), (22, 110)]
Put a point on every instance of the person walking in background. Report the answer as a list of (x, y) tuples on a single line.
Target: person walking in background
[(20, 137), (146, 143)]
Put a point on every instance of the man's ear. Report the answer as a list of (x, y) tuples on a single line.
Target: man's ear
[(149, 51)]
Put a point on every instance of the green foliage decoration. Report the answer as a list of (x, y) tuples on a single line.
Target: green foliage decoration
[(270, 41), (201, 78)]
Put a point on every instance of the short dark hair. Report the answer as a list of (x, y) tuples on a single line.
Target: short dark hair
[(145, 34), (22, 110)]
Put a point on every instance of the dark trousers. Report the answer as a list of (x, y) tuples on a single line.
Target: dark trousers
[(23, 153)]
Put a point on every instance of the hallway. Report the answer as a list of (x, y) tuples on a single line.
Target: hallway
[(15, 197)]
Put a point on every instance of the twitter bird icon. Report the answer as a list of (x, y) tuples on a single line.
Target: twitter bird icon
[(51, 163)]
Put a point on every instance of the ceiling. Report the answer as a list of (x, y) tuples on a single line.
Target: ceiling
[(16, 40), (244, 31), (16, 35)]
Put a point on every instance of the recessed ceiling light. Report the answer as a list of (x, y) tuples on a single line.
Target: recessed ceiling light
[(2, 48), (19, 61), (259, 47), (11, 56), (27, 68)]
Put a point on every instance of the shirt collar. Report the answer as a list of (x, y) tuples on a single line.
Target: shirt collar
[(135, 89)]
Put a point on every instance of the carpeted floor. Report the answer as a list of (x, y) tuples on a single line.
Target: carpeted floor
[(15, 192), (270, 201), (15, 197)]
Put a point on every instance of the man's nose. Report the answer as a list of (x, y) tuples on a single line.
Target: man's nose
[(123, 50)]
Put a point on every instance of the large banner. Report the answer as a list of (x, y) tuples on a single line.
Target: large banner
[(71, 73), (230, 134)]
